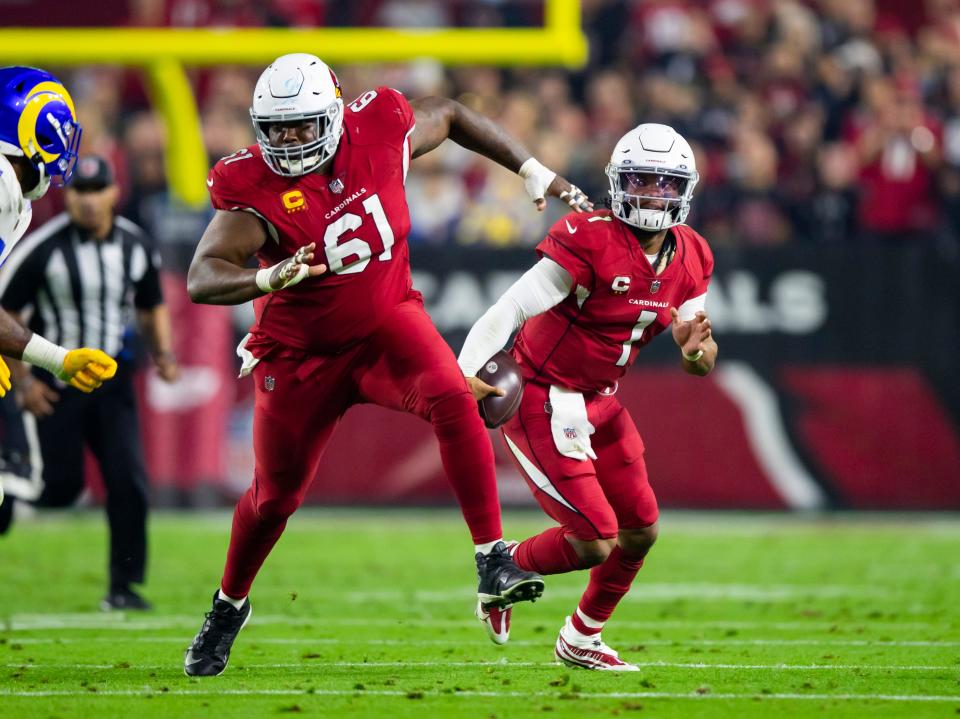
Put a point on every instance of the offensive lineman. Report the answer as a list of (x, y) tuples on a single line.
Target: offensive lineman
[(324, 188), (606, 284), (39, 138)]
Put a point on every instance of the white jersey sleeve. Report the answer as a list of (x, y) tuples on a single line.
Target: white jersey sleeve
[(15, 210), (543, 286)]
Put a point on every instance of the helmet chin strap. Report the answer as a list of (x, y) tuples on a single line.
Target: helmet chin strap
[(43, 184)]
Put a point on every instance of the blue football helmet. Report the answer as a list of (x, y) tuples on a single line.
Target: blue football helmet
[(38, 121)]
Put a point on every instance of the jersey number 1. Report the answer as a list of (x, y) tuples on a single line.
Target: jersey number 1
[(645, 318), (352, 256)]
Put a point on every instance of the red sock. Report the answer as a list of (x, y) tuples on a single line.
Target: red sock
[(547, 553), (609, 582), (467, 457), (251, 539)]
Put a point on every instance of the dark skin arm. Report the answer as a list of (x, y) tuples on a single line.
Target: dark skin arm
[(13, 336), (218, 274), (439, 118), (33, 396)]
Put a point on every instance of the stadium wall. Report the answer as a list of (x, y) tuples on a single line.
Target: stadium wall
[(835, 388)]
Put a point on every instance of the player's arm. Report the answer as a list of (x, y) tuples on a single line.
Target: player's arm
[(694, 337), (85, 368), (543, 286), (218, 274), (155, 327), (34, 396), (439, 118)]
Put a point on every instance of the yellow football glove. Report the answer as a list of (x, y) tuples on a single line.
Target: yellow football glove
[(86, 369), (4, 381)]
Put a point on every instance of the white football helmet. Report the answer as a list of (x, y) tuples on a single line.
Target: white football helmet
[(658, 161), (298, 87)]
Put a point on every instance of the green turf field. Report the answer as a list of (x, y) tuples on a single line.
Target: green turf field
[(370, 614)]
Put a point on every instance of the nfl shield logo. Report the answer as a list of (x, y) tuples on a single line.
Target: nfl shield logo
[(269, 383), (654, 286), (569, 433), (336, 186)]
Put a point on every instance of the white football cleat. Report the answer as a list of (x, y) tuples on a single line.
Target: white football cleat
[(588, 652), (496, 620)]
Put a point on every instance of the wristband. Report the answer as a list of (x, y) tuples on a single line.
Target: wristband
[(42, 353), (536, 178), (694, 357), (533, 166), (263, 276), (263, 279)]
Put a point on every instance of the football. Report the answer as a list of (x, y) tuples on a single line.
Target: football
[(503, 372)]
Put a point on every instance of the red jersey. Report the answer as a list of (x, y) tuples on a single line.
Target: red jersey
[(357, 215), (617, 304)]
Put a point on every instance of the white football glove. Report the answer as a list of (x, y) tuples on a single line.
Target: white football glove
[(292, 271), (536, 178)]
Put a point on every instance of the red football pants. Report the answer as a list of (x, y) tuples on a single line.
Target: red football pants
[(404, 365), (591, 499)]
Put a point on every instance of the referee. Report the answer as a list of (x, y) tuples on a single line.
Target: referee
[(80, 280)]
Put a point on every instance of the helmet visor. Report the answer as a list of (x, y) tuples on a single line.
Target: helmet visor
[(651, 189), (653, 184)]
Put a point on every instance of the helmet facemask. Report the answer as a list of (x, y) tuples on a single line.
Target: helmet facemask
[(296, 160), (650, 198), (53, 148)]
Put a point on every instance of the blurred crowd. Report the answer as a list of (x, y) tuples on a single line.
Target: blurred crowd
[(813, 121)]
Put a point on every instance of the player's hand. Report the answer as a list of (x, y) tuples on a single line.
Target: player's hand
[(297, 268), (167, 367), (86, 368), (690, 334), (4, 378), (540, 181), (571, 194), (36, 397), (481, 389)]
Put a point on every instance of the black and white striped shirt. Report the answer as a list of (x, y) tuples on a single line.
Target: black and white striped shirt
[(81, 291)]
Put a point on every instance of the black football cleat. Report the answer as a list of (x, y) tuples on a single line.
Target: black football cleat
[(124, 599), (6, 513), (502, 582), (210, 651)]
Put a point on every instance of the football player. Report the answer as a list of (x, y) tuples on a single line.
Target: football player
[(606, 283), (39, 137), (320, 201)]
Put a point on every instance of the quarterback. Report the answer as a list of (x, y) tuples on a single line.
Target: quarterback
[(320, 201), (39, 137), (606, 283)]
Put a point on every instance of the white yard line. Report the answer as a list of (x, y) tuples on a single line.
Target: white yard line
[(308, 663), (167, 691), (133, 621), (254, 639)]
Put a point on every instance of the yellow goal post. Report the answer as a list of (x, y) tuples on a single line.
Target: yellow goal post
[(162, 54)]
